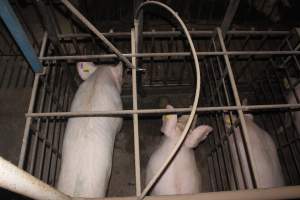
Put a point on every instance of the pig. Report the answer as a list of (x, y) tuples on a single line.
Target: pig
[(182, 175), (266, 161), (88, 141)]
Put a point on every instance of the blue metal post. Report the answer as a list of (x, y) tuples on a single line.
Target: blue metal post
[(11, 21)]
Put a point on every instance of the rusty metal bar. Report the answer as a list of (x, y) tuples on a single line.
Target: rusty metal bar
[(159, 111), (167, 54), (135, 118), (248, 149)]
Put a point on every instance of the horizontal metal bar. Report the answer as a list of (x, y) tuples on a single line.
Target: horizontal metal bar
[(175, 33), (289, 192), (16, 180), (158, 111), (169, 54)]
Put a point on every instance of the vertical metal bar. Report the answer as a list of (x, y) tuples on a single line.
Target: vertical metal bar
[(31, 105), (152, 49), (54, 131), (135, 118), (293, 56), (248, 149), (15, 28), (138, 27), (46, 128), (280, 141), (29, 119), (214, 143), (229, 15), (61, 129), (257, 94), (39, 120), (282, 124)]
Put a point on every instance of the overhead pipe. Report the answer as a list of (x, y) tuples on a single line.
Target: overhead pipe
[(15, 28)]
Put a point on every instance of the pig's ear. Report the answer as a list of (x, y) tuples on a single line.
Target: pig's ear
[(117, 72), (85, 69), (197, 135), (250, 116), (169, 123)]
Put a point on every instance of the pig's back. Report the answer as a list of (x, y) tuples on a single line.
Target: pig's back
[(88, 141), (266, 162)]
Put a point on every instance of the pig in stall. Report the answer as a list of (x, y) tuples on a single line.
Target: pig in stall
[(266, 162), (89, 141), (182, 175)]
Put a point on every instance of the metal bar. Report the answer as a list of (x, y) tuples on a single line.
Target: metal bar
[(248, 149), (39, 121), (44, 42), (293, 56), (31, 105), (274, 131), (61, 131), (215, 137), (16, 30), (167, 54), (16, 180), (46, 128), (229, 15), (59, 94), (227, 136), (135, 117), (158, 111), (50, 25), (282, 124), (28, 120), (96, 32), (138, 28), (288, 192), (207, 33), (280, 141)]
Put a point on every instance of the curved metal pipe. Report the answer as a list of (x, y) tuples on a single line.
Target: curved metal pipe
[(197, 93)]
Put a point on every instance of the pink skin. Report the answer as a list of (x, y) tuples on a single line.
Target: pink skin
[(266, 161), (88, 141), (182, 175)]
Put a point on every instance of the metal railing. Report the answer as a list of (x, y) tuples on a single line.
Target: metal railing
[(229, 76)]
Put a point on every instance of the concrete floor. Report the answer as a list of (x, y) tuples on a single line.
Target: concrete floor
[(14, 103), (122, 181)]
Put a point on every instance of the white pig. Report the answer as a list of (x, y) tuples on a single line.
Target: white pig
[(88, 141), (182, 175), (266, 161)]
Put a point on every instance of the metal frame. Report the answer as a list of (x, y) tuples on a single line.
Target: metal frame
[(49, 111)]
